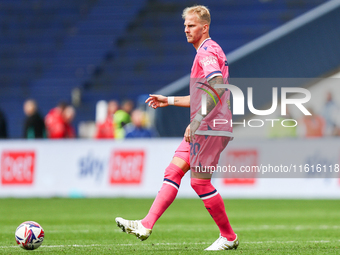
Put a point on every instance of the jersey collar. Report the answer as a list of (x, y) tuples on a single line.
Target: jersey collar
[(203, 43)]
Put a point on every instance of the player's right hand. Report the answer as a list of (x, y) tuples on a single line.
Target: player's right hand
[(187, 134), (156, 101)]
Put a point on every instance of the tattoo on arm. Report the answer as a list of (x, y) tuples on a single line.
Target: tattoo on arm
[(220, 91)]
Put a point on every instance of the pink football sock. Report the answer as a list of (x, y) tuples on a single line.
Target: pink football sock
[(214, 203), (167, 194)]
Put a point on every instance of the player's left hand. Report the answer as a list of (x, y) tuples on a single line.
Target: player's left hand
[(193, 127)]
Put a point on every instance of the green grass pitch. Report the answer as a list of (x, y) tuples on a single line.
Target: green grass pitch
[(86, 226)]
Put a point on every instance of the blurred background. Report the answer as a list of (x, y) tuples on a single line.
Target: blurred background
[(83, 69)]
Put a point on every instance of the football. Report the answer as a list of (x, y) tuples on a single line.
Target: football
[(29, 235)]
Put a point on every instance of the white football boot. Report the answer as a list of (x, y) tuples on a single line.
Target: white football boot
[(134, 227), (223, 244)]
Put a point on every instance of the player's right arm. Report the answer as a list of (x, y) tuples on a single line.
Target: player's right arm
[(156, 101)]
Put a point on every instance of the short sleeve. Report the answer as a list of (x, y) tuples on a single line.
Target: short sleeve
[(210, 64)]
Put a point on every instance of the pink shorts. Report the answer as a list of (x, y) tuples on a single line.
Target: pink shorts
[(183, 151), (205, 151)]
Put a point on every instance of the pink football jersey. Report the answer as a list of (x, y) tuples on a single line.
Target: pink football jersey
[(210, 61)]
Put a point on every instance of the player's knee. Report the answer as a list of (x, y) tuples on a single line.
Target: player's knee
[(196, 184), (193, 183), (173, 172)]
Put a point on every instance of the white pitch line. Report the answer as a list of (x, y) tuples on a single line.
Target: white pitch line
[(73, 231), (187, 227), (163, 244)]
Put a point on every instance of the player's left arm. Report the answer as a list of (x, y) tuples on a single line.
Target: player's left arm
[(210, 102), (194, 125)]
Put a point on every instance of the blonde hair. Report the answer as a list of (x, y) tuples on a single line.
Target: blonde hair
[(202, 12)]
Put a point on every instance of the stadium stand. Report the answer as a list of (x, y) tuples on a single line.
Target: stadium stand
[(112, 49), (48, 46), (32, 32)]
